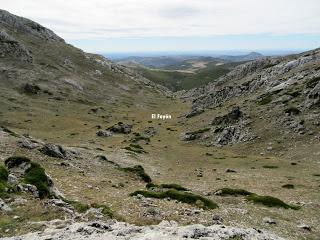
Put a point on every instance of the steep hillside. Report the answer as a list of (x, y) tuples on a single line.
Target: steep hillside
[(267, 99)]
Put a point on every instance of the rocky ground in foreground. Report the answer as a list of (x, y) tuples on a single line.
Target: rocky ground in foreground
[(163, 231)]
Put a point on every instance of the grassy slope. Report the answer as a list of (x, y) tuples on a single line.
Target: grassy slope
[(179, 80)]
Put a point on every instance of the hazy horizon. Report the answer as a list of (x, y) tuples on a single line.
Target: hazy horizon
[(208, 53), (177, 25)]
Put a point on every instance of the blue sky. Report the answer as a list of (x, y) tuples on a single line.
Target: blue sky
[(232, 43), (177, 25)]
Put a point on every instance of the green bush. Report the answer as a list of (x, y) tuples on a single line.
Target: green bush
[(139, 171), (270, 201), (233, 191), (184, 197), (174, 186), (36, 175), (3, 174)]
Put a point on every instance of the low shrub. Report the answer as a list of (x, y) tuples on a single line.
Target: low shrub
[(3, 174), (270, 201), (233, 191), (36, 175), (139, 171), (184, 197)]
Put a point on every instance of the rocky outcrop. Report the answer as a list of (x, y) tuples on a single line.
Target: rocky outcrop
[(54, 150), (232, 128), (229, 118), (313, 97), (104, 133), (23, 25), (9, 47), (164, 231), (121, 128)]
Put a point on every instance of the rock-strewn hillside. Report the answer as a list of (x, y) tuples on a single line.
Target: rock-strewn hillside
[(32, 54), (281, 94)]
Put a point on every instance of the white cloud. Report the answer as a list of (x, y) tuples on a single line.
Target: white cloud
[(83, 19)]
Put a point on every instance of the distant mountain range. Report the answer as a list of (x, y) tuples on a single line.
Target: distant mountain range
[(178, 61)]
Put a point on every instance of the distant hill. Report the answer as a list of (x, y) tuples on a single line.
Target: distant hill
[(181, 72), (247, 57)]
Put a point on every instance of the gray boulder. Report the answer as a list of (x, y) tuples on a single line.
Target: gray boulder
[(104, 133), (121, 128), (54, 150), (4, 207)]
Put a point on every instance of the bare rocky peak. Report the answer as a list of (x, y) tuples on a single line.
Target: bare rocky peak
[(24, 25)]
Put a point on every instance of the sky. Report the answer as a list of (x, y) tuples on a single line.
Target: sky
[(177, 25)]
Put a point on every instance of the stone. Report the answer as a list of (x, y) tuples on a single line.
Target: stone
[(194, 112), (4, 207), (121, 128), (104, 133), (304, 227), (150, 131), (269, 220), (165, 230), (12, 179), (27, 143), (54, 150), (29, 88)]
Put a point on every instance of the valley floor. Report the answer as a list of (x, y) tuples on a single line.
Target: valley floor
[(88, 179)]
